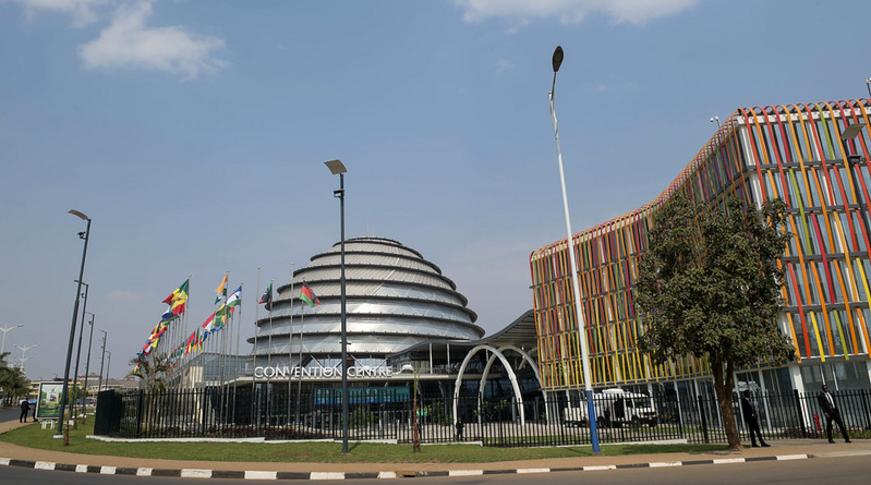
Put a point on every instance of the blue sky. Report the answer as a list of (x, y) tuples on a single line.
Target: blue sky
[(193, 133)]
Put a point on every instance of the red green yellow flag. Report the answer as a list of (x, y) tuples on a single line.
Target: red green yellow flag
[(177, 300)]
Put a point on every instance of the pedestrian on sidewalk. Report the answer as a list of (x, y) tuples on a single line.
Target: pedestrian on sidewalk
[(751, 419), (459, 427), (830, 409), (25, 408)]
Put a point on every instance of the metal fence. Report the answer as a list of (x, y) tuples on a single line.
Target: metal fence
[(390, 414)]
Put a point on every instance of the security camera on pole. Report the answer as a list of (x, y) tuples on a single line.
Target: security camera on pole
[(576, 289)]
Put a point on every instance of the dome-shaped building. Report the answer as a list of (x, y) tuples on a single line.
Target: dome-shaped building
[(395, 299)]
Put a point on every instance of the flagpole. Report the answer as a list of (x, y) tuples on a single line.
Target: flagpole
[(236, 354), (269, 362), (269, 341), (221, 348), (289, 341), (182, 365), (299, 377), (254, 352)]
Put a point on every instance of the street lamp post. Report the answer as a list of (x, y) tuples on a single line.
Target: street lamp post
[(338, 168), (64, 430), (79, 354), (88, 364), (102, 360), (24, 350), (576, 289), (6, 329)]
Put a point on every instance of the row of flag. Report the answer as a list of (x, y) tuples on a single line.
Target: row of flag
[(176, 305)]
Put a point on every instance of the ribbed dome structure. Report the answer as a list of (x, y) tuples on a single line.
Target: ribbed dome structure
[(395, 299)]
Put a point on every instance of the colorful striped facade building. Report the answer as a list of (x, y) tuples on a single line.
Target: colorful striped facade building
[(797, 153)]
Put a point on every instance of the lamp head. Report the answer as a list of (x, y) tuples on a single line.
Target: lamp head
[(81, 215), (557, 58), (336, 167)]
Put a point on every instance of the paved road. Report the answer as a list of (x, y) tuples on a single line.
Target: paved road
[(9, 414), (842, 471)]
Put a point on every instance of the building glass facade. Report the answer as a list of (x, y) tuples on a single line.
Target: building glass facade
[(791, 152)]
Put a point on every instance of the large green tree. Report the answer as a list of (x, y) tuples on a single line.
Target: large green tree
[(709, 285), (13, 382)]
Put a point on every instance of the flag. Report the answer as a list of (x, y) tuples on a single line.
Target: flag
[(177, 300), (235, 298), (193, 343), (209, 324), (221, 290), (267, 295), (307, 295), (222, 316)]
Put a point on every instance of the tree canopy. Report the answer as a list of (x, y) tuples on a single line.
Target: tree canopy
[(13, 382), (153, 372), (709, 286)]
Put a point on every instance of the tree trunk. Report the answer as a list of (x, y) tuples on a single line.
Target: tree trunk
[(723, 384)]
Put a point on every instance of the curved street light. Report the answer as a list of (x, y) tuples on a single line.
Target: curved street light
[(6, 329), (576, 288), (85, 235)]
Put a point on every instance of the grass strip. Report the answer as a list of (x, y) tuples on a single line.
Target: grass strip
[(34, 437)]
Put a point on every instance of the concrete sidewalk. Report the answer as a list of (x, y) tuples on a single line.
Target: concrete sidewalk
[(817, 448)]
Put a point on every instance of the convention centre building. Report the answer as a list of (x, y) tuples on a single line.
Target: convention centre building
[(803, 154)]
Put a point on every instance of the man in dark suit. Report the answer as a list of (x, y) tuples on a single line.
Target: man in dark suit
[(830, 409), (752, 420), (25, 408)]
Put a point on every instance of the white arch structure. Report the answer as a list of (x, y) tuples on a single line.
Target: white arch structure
[(496, 354)]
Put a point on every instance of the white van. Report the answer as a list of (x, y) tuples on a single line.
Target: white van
[(614, 407)]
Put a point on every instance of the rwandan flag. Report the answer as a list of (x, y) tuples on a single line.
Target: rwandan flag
[(307, 295)]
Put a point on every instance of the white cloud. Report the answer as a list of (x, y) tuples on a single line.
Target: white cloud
[(83, 12), (503, 65), (127, 42), (571, 11)]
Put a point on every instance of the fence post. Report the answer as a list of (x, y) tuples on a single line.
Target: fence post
[(139, 413), (800, 413), (704, 420), (203, 399), (864, 396)]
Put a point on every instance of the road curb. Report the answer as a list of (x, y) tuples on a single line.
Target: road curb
[(273, 475)]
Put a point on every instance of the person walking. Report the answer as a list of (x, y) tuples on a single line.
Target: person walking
[(832, 413), (25, 408), (751, 419)]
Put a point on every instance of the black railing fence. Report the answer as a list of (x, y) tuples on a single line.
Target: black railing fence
[(389, 414)]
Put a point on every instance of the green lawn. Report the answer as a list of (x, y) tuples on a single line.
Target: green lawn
[(35, 437)]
